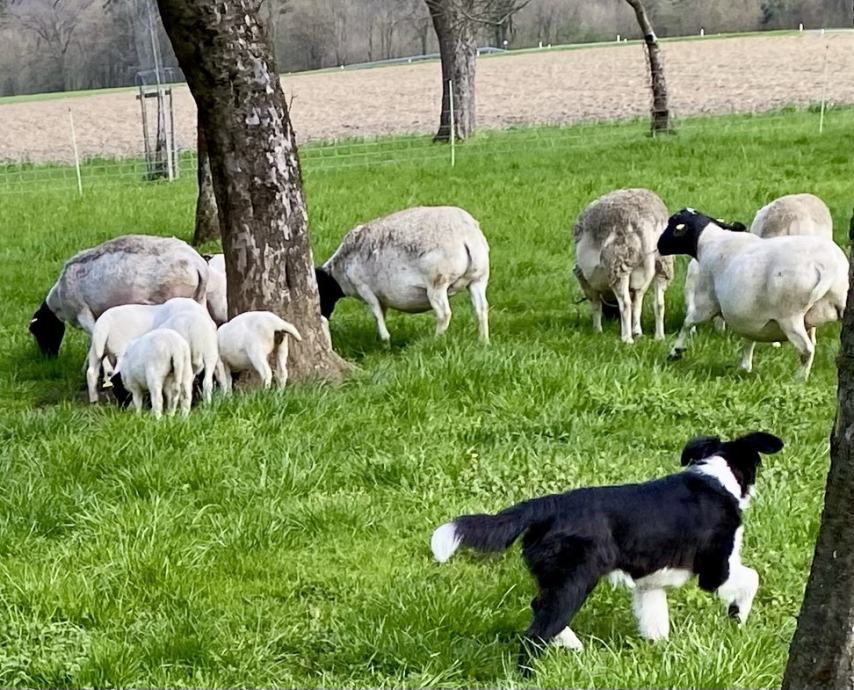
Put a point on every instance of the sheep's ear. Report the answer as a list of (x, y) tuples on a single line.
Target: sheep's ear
[(762, 442), (699, 448), (739, 227)]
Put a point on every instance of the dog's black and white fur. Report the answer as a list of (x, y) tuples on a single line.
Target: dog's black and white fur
[(647, 536)]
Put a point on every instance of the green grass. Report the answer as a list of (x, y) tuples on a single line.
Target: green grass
[(282, 539)]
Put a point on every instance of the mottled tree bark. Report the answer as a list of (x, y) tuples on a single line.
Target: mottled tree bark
[(226, 58), (207, 215), (822, 651), (455, 31), (660, 111)]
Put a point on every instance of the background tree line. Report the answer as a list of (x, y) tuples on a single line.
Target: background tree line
[(56, 45)]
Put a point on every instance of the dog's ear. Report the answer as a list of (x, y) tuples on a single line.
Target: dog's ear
[(762, 442), (699, 448)]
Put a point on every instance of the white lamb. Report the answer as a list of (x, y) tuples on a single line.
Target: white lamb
[(411, 261), (767, 290), (247, 342), (157, 362), (199, 330), (615, 257), (117, 327)]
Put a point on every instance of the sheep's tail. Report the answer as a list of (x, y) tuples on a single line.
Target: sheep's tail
[(200, 295), (489, 533), (284, 329)]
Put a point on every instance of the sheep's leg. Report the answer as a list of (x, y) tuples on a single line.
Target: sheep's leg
[(137, 398), (281, 372), (223, 376), (477, 292), (86, 321), (92, 372), (719, 324), (155, 390), (184, 390), (624, 301), (812, 335), (747, 355), (208, 382), (696, 314), (259, 362), (796, 332), (172, 391), (596, 311), (637, 311), (438, 296), (658, 308), (377, 309)]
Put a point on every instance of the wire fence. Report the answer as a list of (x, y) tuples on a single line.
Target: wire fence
[(798, 83)]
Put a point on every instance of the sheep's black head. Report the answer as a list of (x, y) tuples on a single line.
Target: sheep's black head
[(683, 231), (123, 395), (329, 290), (48, 330)]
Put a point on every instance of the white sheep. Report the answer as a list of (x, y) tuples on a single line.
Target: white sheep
[(767, 290), (118, 326), (247, 342), (410, 261), (616, 258), (200, 332), (157, 362), (216, 291), (793, 214), (133, 269)]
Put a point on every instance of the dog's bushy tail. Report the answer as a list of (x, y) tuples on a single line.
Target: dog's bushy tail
[(488, 533)]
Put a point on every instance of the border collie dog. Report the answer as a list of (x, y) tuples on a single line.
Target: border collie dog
[(646, 536)]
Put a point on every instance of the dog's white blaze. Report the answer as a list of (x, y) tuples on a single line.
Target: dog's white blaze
[(568, 639), (716, 467), (445, 542)]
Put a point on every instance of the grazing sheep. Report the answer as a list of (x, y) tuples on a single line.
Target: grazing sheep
[(616, 258), (157, 362), (411, 261), (794, 214), (247, 341), (200, 332), (216, 292), (118, 326), (133, 269), (766, 289)]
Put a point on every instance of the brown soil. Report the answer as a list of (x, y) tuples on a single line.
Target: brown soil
[(705, 76)]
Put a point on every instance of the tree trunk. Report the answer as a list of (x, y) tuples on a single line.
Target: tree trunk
[(458, 51), (822, 650), (660, 112), (255, 169), (207, 215)]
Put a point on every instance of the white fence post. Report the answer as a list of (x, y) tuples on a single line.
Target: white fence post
[(452, 123), (823, 91), (76, 155)]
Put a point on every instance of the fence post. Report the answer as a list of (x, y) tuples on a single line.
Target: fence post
[(823, 91), (453, 122), (76, 155)]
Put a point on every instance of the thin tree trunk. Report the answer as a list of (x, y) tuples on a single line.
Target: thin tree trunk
[(822, 650), (207, 215), (660, 112), (458, 52), (226, 58)]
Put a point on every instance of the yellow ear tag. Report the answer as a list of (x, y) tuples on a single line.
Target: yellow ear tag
[(107, 384), (679, 230)]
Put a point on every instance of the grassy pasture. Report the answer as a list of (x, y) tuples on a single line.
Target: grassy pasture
[(282, 539)]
